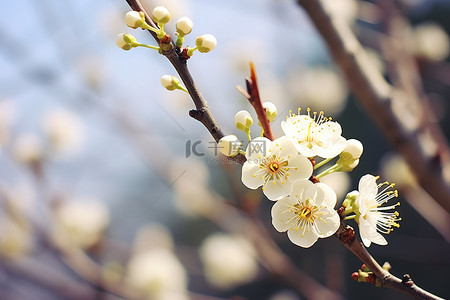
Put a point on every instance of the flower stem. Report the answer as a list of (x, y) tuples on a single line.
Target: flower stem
[(191, 51), (247, 132), (328, 171), (318, 165), (146, 46)]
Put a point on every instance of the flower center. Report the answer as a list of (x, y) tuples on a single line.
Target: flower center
[(273, 167), (305, 213)]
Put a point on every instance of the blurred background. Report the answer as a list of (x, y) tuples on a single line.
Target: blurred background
[(102, 195)]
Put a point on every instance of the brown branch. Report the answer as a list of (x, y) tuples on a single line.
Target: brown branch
[(202, 113), (252, 95), (346, 236), (376, 96)]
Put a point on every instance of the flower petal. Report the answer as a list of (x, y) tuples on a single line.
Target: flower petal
[(326, 193), (299, 167), (299, 188), (275, 189), (321, 194), (283, 147), (307, 149), (329, 222), (305, 240), (282, 215), (249, 177), (368, 187), (369, 233), (332, 147), (258, 148)]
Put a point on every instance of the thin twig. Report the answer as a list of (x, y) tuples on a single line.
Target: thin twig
[(202, 113), (252, 95)]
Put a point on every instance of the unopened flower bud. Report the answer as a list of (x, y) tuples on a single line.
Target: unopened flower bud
[(349, 157), (125, 41), (348, 167), (229, 145), (387, 266), (184, 26), (271, 110), (243, 120), (172, 83), (206, 43), (354, 148), (135, 19), (161, 15), (352, 196)]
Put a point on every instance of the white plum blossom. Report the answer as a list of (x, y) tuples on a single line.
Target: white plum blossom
[(158, 274), (274, 165), (316, 135), (307, 214), (373, 218)]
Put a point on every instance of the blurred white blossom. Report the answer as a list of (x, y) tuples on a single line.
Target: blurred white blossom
[(7, 116), (152, 236), (394, 168), (158, 274), (228, 260), (319, 88), (431, 41), (64, 130), (28, 149), (81, 221), (15, 240), (343, 10), (339, 182)]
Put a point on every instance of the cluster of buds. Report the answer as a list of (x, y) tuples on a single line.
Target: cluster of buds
[(243, 121), (161, 16), (366, 275)]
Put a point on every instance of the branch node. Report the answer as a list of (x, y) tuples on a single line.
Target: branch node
[(193, 113), (407, 280), (347, 235), (243, 92)]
